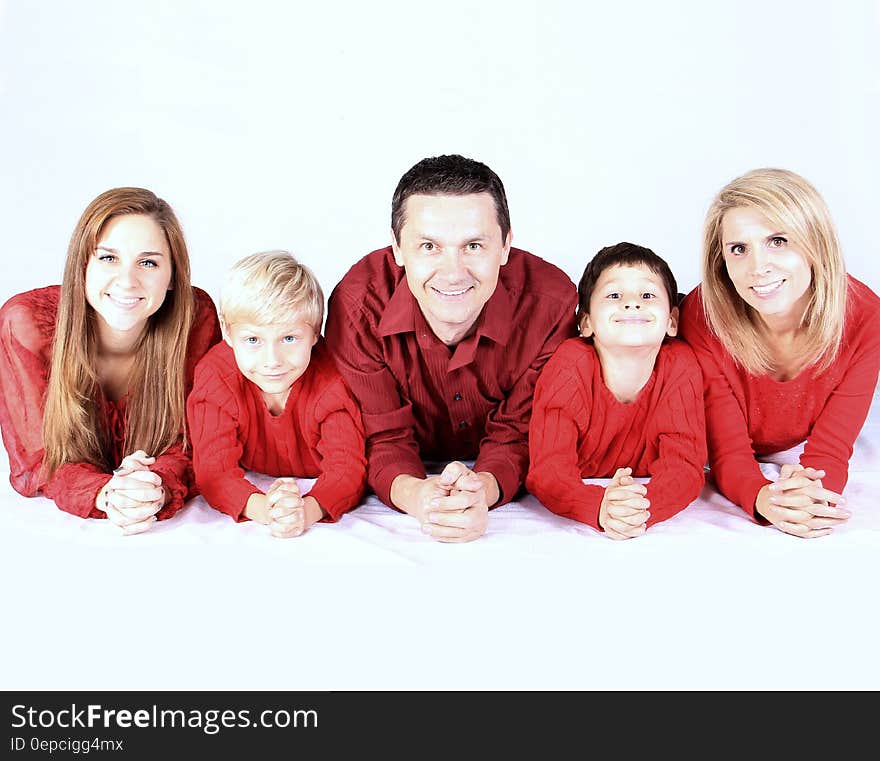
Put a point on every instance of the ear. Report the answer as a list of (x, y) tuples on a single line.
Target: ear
[(672, 327), (224, 330), (505, 252), (585, 327), (395, 248)]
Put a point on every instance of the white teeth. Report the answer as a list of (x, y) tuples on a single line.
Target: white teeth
[(124, 301), (452, 293), (763, 290)]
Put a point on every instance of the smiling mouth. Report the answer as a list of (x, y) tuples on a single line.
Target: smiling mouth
[(123, 301), (450, 294), (634, 320), (767, 289)]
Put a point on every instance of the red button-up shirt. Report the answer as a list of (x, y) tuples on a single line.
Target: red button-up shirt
[(423, 400)]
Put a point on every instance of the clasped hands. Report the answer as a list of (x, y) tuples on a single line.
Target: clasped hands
[(452, 506), (798, 504), (623, 513), (133, 496)]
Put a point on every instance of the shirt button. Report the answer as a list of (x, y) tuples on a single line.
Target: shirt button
[(457, 397), (463, 424)]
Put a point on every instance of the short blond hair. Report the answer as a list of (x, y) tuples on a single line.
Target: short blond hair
[(792, 204), (271, 287)]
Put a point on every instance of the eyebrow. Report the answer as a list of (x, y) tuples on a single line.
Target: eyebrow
[(115, 251), (780, 234)]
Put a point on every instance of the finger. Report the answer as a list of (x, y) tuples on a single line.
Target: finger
[(460, 500), (625, 529), (805, 501), (449, 533), (138, 479), (631, 517), (452, 472), (629, 489), (798, 481), (140, 512), (612, 534), (451, 520), (801, 530), (138, 528), (469, 481), (285, 530), (289, 503), (136, 497), (630, 501), (282, 515)]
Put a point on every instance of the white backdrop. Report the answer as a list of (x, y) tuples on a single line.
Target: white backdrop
[(288, 125)]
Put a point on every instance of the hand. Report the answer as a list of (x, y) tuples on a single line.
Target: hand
[(623, 513), (285, 508), (131, 498), (138, 460), (462, 513), (798, 504)]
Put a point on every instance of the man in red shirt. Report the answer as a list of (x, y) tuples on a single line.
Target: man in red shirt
[(441, 337)]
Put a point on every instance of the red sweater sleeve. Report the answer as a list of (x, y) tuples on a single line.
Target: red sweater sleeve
[(388, 420), (560, 411), (341, 447), (731, 457), (504, 451), (678, 421), (830, 443), (213, 409)]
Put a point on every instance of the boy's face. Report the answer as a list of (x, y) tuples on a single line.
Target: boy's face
[(271, 356), (629, 308)]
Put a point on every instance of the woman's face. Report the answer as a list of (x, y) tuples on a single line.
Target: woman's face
[(770, 274), (128, 274)]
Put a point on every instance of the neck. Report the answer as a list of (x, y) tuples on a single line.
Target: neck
[(275, 402), (451, 334), (116, 343), (626, 371)]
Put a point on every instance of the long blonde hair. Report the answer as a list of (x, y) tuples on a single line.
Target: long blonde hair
[(75, 428), (792, 204)]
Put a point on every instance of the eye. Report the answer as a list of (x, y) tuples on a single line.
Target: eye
[(737, 249), (427, 246), (474, 246), (777, 242), (613, 295), (149, 263), (290, 339), (106, 258), (649, 295), (251, 340)]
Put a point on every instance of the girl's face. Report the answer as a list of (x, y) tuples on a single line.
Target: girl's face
[(769, 272), (128, 274)]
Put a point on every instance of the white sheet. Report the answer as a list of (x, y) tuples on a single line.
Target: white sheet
[(706, 600)]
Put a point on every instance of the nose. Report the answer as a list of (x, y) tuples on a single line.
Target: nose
[(632, 301), (271, 356), (452, 266), (126, 276), (760, 260)]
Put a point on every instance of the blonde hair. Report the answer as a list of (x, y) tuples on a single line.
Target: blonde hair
[(792, 204), (75, 428), (271, 287)]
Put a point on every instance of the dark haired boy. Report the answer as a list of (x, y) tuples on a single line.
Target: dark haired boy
[(624, 400)]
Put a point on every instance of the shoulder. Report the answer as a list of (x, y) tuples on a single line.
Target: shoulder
[(537, 279), (678, 358), (375, 276), (862, 296), (29, 317), (217, 371), (203, 301), (573, 357), (326, 386)]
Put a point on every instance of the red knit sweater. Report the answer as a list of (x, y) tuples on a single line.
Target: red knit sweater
[(27, 327), (580, 430), (748, 415), (319, 434)]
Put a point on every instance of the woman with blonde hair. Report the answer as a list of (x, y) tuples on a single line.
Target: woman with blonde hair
[(95, 372), (789, 348)]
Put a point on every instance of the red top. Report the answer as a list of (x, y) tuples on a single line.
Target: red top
[(580, 430), (423, 400), (748, 414), (318, 434), (27, 327)]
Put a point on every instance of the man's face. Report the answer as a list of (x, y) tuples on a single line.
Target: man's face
[(452, 250)]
